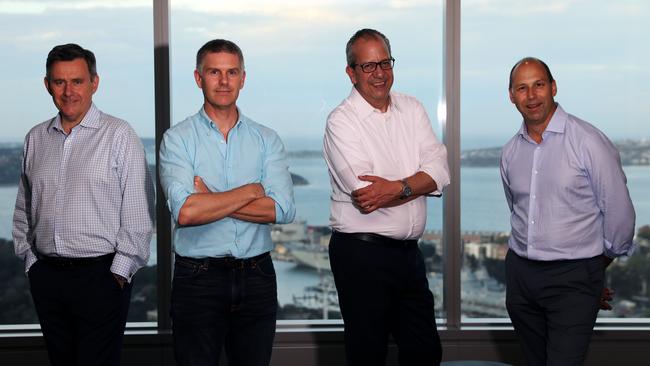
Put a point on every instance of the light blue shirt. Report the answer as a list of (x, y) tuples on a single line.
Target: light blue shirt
[(85, 194), (252, 154), (568, 196)]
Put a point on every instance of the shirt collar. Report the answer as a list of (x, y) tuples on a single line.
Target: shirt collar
[(556, 125), (208, 123), (90, 120), (364, 108)]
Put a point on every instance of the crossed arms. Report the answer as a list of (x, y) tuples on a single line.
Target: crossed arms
[(202, 187), (247, 203)]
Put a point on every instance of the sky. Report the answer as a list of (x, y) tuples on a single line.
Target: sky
[(295, 59)]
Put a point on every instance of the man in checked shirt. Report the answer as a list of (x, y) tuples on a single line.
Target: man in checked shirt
[(83, 217)]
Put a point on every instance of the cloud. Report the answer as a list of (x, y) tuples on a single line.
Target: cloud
[(518, 7), (40, 7)]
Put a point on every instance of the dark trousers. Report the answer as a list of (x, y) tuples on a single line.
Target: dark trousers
[(82, 311), (383, 290), (553, 307), (224, 303)]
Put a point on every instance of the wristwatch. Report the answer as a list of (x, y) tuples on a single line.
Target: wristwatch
[(406, 190)]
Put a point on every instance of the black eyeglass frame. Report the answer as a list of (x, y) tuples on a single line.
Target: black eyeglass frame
[(371, 66)]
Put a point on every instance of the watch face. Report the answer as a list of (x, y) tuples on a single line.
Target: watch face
[(406, 190)]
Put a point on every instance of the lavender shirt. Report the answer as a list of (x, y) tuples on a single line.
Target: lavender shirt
[(567, 195)]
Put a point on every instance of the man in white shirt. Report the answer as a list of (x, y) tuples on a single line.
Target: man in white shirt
[(384, 160)]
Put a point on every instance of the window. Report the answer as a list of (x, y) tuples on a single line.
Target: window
[(592, 50), (124, 63), (295, 64), (295, 59)]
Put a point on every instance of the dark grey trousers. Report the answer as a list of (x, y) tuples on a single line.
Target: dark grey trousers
[(553, 307)]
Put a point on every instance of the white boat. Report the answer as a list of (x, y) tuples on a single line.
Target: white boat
[(310, 255)]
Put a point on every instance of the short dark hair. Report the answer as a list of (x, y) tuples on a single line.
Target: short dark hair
[(366, 34), (219, 45), (531, 59), (70, 52)]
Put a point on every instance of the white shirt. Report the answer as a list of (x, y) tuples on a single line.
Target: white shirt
[(361, 140)]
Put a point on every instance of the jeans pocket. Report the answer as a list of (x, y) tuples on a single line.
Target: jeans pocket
[(265, 268), (184, 269)]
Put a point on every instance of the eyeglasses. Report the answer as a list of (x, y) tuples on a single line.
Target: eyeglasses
[(368, 67)]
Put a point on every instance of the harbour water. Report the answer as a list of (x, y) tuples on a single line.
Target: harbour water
[(483, 209)]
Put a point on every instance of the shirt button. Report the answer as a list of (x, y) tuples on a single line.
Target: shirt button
[(534, 196), (535, 171), (532, 222)]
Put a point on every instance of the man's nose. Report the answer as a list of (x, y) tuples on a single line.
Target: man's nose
[(530, 94), (378, 71), (67, 89)]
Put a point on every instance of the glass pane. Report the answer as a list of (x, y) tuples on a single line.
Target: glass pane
[(295, 59), (125, 65), (592, 49)]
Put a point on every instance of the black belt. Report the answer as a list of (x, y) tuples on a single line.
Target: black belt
[(226, 262), (379, 239), (74, 262)]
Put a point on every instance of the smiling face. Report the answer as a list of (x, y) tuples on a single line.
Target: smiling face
[(221, 78), (373, 86), (72, 88), (532, 93)]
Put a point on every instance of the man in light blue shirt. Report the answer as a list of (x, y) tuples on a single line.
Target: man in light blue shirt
[(226, 180), (571, 215)]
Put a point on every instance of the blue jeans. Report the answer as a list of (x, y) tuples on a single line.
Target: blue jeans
[(224, 303)]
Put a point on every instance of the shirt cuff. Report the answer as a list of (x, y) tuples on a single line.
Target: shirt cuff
[(441, 180), (30, 259), (607, 252), (123, 266)]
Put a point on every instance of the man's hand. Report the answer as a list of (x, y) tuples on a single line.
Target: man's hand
[(120, 280), (606, 296), (377, 195), (256, 190), (199, 186)]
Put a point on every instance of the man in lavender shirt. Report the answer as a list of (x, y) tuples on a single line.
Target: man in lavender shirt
[(571, 215), (84, 216), (383, 160)]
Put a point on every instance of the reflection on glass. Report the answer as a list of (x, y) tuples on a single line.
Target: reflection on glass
[(295, 61), (586, 76)]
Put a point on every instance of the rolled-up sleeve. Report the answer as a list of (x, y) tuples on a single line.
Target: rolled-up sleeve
[(175, 171), (344, 153), (276, 180), (433, 154)]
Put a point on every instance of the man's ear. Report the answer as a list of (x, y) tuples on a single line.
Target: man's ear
[(197, 78), (95, 81), (350, 72), (553, 87), (47, 85)]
